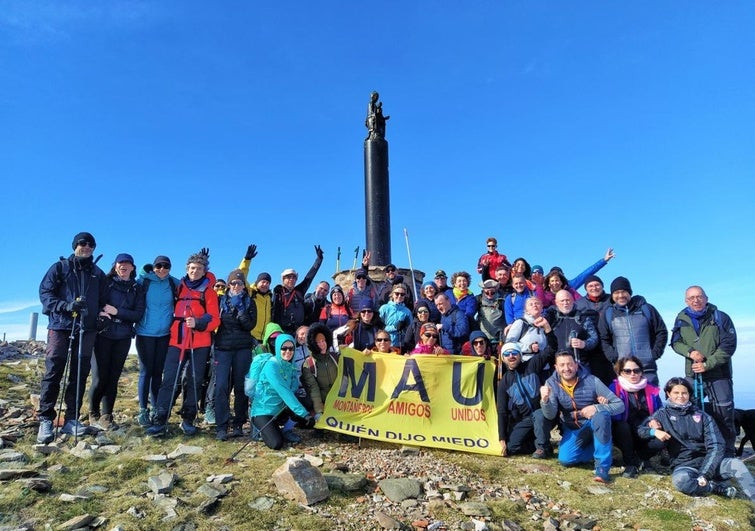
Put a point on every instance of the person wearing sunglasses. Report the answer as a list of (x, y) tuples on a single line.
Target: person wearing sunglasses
[(427, 297), (153, 332), (429, 341), (233, 355), (641, 399), (489, 262), (382, 344), (522, 428), (367, 325), (72, 292), (396, 316), (275, 403), (412, 334)]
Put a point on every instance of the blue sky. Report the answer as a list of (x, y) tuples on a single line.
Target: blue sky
[(560, 129)]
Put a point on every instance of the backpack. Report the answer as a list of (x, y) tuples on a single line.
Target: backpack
[(253, 376), (173, 287), (310, 361)]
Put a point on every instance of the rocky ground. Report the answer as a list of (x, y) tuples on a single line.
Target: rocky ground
[(374, 485)]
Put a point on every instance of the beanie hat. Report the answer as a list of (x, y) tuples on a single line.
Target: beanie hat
[(537, 269), (367, 305), (124, 257), (507, 347), (621, 283), (593, 278), (477, 335), (264, 276), (335, 289), (237, 274), (83, 236), (428, 326), (161, 260)]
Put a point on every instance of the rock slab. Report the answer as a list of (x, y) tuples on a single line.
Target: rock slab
[(299, 481)]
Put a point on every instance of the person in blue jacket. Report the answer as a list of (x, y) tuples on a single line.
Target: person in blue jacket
[(274, 399), (153, 331)]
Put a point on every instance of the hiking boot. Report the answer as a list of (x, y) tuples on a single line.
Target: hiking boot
[(143, 417), (541, 453), (255, 434), (74, 427), (723, 490), (45, 434), (290, 436), (156, 430), (221, 435), (188, 428), (209, 416), (238, 431), (601, 476), (93, 419), (107, 423), (630, 472)]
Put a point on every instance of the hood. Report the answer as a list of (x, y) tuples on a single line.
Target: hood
[(270, 328), (318, 328), (279, 343)]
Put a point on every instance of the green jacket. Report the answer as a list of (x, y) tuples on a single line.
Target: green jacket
[(717, 341)]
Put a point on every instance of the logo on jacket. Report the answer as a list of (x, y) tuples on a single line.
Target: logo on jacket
[(697, 417)]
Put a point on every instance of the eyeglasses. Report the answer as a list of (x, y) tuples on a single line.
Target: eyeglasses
[(478, 342), (219, 285), (382, 339), (289, 276), (163, 265), (431, 335), (696, 297), (85, 243), (399, 293), (287, 349), (236, 283), (631, 371), (366, 311), (422, 311), (510, 353)]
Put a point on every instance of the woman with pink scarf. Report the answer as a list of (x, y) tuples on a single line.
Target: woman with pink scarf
[(641, 400)]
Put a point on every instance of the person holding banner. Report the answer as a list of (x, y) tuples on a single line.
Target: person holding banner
[(585, 406), (522, 427), (320, 369), (428, 341), (382, 344)]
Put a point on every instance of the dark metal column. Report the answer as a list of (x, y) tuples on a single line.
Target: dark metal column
[(377, 198)]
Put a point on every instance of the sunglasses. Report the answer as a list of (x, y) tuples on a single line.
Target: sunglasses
[(399, 293), (510, 353), (162, 265), (236, 283), (431, 335), (390, 270), (85, 243), (631, 371), (478, 342), (491, 245), (287, 349), (382, 339), (366, 311), (422, 311), (219, 285)]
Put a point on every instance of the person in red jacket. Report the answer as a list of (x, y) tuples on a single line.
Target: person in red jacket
[(195, 317), (489, 262)]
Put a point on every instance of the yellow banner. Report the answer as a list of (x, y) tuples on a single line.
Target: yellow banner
[(423, 400)]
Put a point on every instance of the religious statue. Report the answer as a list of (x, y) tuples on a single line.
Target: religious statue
[(375, 121)]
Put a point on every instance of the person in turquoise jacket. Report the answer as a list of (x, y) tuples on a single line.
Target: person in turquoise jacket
[(274, 399)]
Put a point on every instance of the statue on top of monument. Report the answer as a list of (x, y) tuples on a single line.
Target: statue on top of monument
[(375, 121)]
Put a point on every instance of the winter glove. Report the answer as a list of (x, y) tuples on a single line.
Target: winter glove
[(317, 416), (251, 252), (76, 305), (205, 251), (319, 252), (309, 422), (148, 268), (403, 323)]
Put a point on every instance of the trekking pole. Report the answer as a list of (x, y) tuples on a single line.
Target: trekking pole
[(237, 452), (411, 268), (65, 371), (573, 335), (356, 255), (338, 260), (193, 373)]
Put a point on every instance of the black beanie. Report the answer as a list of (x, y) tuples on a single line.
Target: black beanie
[(593, 278), (86, 236), (621, 283), (264, 276)]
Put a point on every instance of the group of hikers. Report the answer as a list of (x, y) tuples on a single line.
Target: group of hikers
[(584, 364)]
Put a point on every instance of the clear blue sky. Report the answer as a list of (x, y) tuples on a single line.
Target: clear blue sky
[(163, 127)]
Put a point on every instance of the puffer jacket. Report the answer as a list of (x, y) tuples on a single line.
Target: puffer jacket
[(276, 385), (127, 296)]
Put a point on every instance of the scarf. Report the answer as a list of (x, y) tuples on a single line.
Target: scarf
[(460, 293), (193, 284), (696, 317), (630, 387)]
